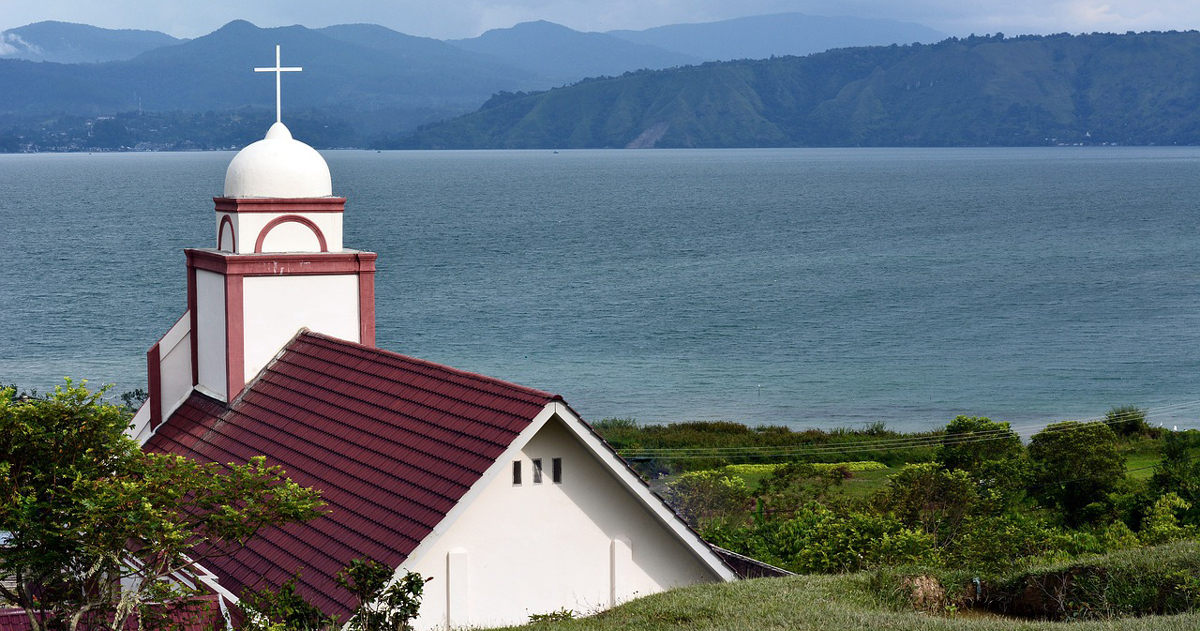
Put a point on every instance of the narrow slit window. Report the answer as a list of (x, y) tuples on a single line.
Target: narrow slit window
[(516, 473), (537, 470), (556, 470)]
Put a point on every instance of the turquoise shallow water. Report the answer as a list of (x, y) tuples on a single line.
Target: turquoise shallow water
[(809, 287)]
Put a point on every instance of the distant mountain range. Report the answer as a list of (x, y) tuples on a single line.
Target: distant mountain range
[(554, 49), (370, 77), (67, 43), (761, 36), (1032, 90), (366, 85), (360, 80), (566, 55)]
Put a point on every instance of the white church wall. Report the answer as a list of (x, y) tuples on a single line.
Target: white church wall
[(175, 365), (139, 425), (278, 306), (539, 547), (291, 236), (210, 331), (288, 236)]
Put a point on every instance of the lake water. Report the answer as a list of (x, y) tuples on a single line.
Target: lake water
[(811, 287)]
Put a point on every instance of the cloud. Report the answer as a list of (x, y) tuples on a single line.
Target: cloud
[(12, 44)]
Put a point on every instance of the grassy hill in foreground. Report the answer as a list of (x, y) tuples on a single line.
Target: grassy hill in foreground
[(817, 603), (1141, 89), (848, 602)]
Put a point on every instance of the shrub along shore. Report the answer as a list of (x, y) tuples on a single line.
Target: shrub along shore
[(1088, 520)]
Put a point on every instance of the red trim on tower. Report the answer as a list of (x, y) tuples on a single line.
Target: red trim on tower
[(262, 236), (191, 301), (366, 304), (154, 385), (235, 267), (299, 264), (280, 204), (221, 234), (235, 337)]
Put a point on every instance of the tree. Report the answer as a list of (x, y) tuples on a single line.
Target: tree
[(1179, 472), (96, 526), (282, 609), (1075, 467), (989, 451), (931, 499), (385, 603), (795, 484), (704, 495), (1128, 420), (1161, 524), (971, 442)]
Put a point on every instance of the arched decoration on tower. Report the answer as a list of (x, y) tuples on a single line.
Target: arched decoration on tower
[(226, 221), (262, 236)]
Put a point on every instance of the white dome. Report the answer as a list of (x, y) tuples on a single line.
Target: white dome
[(278, 166)]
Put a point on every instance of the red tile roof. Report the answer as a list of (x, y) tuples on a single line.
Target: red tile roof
[(392, 442)]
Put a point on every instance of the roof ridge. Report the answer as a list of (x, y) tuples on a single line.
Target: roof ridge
[(474, 376)]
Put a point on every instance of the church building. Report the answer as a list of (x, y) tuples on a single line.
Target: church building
[(499, 492)]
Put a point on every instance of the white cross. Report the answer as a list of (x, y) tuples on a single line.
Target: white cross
[(278, 70)]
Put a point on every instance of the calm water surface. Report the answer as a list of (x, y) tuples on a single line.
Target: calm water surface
[(815, 288)]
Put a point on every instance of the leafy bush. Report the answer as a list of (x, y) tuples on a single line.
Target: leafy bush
[(1128, 420), (383, 604), (998, 543), (1075, 468), (1161, 525), (931, 499), (282, 609), (1179, 472), (971, 442), (991, 453), (704, 495), (795, 484), (819, 540)]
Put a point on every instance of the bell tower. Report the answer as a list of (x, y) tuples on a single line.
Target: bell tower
[(278, 266)]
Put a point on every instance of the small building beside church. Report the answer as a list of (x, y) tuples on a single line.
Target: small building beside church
[(498, 492)]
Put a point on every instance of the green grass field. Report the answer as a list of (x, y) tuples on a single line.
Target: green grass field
[(818, 603)]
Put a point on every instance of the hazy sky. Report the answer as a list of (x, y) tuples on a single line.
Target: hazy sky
[(467, 18)]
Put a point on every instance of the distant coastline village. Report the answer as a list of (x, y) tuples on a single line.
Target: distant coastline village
[(283, 472)]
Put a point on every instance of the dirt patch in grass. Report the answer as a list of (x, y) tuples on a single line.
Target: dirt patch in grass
[(925, 593)]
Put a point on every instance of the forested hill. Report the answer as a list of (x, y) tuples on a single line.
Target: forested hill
[(1141, 89)]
